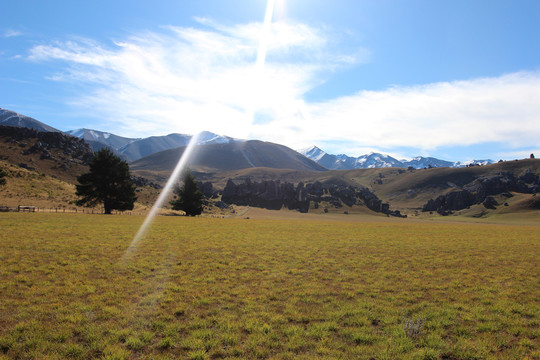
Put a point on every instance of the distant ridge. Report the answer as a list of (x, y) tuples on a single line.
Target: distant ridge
[(377, 160), (230, 156), (95, 136), (134, 149), (11, 118)]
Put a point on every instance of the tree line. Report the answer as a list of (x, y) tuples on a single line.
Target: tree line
[(109, 183)]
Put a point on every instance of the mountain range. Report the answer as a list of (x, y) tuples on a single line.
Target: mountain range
[(53, 160), (134, 149), (376, 160)]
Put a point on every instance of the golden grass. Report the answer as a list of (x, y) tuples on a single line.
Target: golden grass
[(33, 188), (199, 288)]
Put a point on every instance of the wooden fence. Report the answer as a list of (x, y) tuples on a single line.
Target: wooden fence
[(63, 210)]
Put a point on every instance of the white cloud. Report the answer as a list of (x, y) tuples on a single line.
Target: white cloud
[(503, 109), (191, 79), (522, 154)]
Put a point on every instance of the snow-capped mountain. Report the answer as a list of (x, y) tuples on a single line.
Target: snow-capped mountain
[(421, 162), (472, 163), (134, 149), (344, 162), (95, 136), (207, 137), (313, 153), (11, 118), (376, 160)]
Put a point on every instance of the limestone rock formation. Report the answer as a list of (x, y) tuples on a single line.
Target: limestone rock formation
[(274, 195), (481, 190)]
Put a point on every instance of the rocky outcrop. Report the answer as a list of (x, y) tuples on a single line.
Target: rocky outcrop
[(490, 203), (274, 195), (481, 191), (206, 188), (455, 200), (77, 149), (269, 194), (141, 182)]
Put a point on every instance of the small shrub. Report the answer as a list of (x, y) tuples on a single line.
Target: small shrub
[(165, 343), (362, 338), (134, 343), (197, 355), (413, 329), (73, 351)]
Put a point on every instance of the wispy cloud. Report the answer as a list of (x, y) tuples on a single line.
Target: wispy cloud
[(11, 33), (191, 79), (504, 109)]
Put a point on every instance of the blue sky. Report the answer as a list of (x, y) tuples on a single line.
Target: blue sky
[(452, 79)]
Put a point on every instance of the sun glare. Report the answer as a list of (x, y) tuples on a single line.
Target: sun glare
[(265, 36), (185, 157), (180, 167)]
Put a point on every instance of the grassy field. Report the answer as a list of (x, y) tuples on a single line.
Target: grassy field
[(201, 288)]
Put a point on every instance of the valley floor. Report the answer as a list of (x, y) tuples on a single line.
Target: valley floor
[(267, 287)]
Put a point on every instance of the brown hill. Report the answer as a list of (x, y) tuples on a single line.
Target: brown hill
[(50, 153), (226, 157), (412, 189), (42, 169)]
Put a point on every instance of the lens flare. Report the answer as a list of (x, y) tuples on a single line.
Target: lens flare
[(265, 36), (259, 67), (180, 166), (261, 59)]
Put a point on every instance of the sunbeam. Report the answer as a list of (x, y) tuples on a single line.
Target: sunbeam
[(263, 43), (180, 166), (182, 162), (261, 60)]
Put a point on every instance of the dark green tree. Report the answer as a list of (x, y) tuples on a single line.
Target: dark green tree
[(107, 182), (2, 175), (189, 196)]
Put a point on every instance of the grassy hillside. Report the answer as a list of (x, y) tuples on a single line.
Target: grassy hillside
[(413, 188), (32, 188), (405, 190), (58, 164), (26, 187), (200, 288)]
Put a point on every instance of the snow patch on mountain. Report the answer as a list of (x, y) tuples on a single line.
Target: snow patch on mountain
[(377, 160), (473, 163), (313, 153), (207, 137)]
